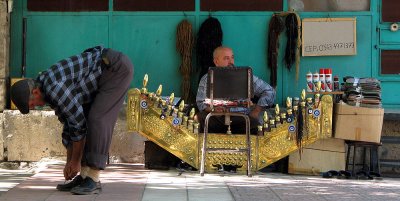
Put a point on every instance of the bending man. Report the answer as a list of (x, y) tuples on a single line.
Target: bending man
[(86, 91)]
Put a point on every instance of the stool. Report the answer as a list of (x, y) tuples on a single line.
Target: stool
[(373, 156), (246, 150)]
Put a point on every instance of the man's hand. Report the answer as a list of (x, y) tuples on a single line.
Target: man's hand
[(255, 112), (71, 169), (74, 158), (216, 109)]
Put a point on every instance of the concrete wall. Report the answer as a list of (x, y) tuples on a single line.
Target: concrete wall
[(2, 138), (33, 136), (4, 51), (38, 134), (4, 61)]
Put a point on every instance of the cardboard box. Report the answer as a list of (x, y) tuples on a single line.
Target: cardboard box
[(357, 123), (321, 156)]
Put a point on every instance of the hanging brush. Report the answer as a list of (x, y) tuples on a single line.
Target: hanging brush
[(292, 37), (184, 45), (209, 37), (275, 28)]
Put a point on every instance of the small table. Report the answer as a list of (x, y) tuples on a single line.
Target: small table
[(373, 155)]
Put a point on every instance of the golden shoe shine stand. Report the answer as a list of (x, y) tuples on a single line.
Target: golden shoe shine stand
[(158, 120)]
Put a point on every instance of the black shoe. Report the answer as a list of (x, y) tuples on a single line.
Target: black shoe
[(68, 186), (230, 168), (87, 187)]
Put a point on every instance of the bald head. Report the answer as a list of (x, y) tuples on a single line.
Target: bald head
[(223, 57)]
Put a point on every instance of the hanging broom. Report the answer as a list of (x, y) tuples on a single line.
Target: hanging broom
[(184, 45)]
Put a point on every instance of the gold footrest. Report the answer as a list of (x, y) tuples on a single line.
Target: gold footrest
[(221, 150)]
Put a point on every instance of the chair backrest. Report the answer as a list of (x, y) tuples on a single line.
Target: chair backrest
[(230, 83)]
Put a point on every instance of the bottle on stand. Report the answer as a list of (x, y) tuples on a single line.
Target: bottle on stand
[(310, 84), (322, 79), (315, 81), (328, 80), (336, 85)]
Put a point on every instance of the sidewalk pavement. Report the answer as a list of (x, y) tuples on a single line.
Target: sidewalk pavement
[(133, 182)]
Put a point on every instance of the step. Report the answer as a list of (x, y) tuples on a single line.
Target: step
[(390, 140), (389, 163)]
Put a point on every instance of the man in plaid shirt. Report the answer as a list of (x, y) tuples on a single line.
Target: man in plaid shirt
[(86, 92)]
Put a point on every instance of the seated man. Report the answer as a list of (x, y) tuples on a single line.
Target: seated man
[(223, 57)]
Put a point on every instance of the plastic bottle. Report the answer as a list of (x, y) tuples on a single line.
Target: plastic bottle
[(336, 85), (322, 79), (310, 85), (328, 80), (315, 80)]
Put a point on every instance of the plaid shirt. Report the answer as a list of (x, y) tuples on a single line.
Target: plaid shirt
[(261, 89), (69, 84)]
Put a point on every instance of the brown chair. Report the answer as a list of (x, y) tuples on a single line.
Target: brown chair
[(233, 84)]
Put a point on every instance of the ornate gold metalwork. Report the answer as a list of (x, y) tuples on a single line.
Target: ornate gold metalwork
[(184, 142), (288, 102), (192, 113), (277, 109), (265, 116), (145, 80), (303, 95), (181, 106), (133, 112), (159, 90), (171, 99)]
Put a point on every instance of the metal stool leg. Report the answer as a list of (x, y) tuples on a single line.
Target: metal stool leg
[(204, 147), (371, 158), (364, 155), (348, 157), (378, 160), (375, 159), (248, 146), (354, 159)]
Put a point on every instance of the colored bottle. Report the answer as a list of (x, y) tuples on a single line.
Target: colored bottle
[(328, 80), (315, 80), (310, 85), (322, 79), (336, 85)]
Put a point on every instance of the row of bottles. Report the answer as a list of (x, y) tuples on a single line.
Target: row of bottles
[(328, 84)]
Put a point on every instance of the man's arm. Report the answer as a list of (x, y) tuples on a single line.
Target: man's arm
[(266, 94), (201, 95), (71, 112), (74, 157)]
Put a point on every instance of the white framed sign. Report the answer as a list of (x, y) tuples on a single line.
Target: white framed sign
[(329, 36)]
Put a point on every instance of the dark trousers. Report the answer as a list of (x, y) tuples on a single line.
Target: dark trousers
[(216, 124), (113, 85)]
